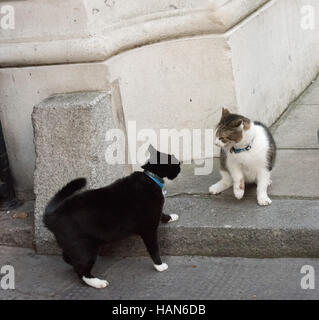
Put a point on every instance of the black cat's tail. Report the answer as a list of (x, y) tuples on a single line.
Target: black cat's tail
[(64, 193)]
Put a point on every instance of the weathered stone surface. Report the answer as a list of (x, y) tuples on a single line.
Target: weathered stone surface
[(14, 231), (80, 31), (69, 137)]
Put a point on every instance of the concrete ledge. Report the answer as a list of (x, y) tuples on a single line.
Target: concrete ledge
[(69, 137), (94, 30), (215, 227)]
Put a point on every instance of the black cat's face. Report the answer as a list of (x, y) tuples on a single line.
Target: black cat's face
[(162, 164)]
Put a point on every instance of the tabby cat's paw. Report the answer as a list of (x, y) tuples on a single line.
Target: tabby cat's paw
[(161, 267), (239, 193), (264, 201), (213, 189)]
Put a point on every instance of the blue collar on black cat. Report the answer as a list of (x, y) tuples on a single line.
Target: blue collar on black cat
[(243, 149), (158, 180)]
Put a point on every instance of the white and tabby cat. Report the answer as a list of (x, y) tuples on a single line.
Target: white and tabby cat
[(247, 155)]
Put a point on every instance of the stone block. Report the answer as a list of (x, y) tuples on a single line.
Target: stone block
[(69, 138)]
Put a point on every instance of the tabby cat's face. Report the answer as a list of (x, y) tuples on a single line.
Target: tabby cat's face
[(230, 129)]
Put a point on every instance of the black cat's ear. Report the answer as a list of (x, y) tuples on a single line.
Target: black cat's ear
[(225, 112), (151, 149), (153, 154), (174, 160)]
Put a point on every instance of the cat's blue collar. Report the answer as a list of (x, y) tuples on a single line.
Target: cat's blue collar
[(158, 180), (247, 148)]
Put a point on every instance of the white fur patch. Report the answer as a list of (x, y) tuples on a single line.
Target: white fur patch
[(174, 217), (239, 193), (95, 282), (219, 143), (161, 267), (250, 162), (264, 201), (214, 188)]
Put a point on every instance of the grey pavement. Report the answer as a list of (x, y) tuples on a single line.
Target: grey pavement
[(188, 277)]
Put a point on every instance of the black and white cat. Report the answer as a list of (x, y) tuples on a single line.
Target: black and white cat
[(247, 155), (82, 222)]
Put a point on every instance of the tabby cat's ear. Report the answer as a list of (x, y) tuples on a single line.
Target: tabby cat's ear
[(225, 112), (238, 124)]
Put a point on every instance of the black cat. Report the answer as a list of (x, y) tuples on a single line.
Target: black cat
[(84, 221)]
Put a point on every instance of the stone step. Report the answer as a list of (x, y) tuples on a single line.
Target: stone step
[(208, 226), (211, 226)]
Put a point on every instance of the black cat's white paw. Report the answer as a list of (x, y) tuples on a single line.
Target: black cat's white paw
[(161, 267), (174, 217), (95, 282)]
